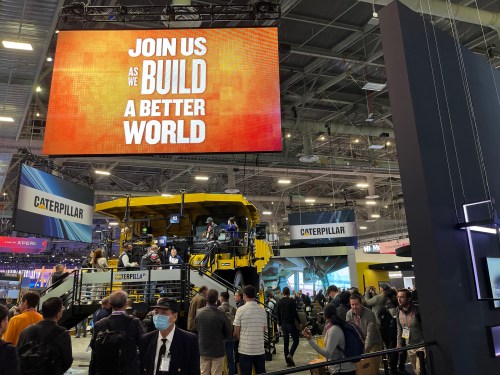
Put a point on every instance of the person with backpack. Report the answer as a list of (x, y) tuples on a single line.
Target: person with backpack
[(45, 348), (115, 340), (335, 342), (9, 361)]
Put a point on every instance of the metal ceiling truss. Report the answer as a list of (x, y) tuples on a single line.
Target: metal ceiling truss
[(80, 12)]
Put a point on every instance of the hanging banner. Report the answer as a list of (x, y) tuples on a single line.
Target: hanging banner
[(336, 228), (50, 206), (164, 91), (389, 247)]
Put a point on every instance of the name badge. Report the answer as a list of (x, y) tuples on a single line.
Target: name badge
[(165, 363), (406, 333)]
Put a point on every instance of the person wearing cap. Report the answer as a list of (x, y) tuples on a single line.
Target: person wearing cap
[(211, 229), (169, 349)]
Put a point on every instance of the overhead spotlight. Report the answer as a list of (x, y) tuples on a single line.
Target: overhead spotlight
[(57, 31), (38, 114), (388, 143), (284, 181), (104, 173), (201, 178), (371, 203), (267, 213), (363, 228), (288, 135), (49, 59), (356, 140), (38, 89), (362, 185), (309, 200), (322, 138), (375, 216)]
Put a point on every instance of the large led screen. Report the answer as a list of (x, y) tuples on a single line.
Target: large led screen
[(164, 91), (336, 228), (51, 206), (31, 245), (494, 277)]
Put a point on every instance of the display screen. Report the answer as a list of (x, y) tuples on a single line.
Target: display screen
[(495, 336), (51, 206), (164, 91), (336, 228), (494, 276), (10, 285), (30, 245)]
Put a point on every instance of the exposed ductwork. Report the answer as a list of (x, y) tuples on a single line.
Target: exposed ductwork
[(449, 10), (317, 127)]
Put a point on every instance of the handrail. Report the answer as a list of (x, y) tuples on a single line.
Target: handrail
[(59, 282), (350, 359)]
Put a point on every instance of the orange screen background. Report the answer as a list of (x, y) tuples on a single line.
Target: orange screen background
[(90, 90)]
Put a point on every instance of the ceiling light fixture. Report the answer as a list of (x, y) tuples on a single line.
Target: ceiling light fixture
[(6, 119), (356, 140), (113, 223), (49, 59), (362, 185), (376, 147), (375, 216), (104, 173), (363, 228), (38, 89), (373, 86), (374, 196), (267, 213), (17, 45), (371, 203), (288, 135), (284, 181), (166, 195), (201, 178), (309, 200), (322, 138), (370, 221)]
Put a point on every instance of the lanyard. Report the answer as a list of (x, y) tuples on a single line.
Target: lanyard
[(406, 321)]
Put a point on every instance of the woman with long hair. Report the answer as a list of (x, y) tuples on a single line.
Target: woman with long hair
[(334, 342)]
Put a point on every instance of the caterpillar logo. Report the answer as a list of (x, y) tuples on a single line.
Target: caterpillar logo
[(130, 276), (58, 207)]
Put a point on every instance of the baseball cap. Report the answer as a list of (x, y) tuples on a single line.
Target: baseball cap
[(209, 220), (166, 303)]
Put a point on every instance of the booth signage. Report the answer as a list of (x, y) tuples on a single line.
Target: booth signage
[(389, 247), (51, 206), (164, 91), (22, 245), (130, 276), (330, 227)]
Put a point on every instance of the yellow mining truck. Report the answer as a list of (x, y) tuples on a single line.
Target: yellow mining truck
[(181, 221)]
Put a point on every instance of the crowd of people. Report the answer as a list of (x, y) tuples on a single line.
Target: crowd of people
[(387, 319)]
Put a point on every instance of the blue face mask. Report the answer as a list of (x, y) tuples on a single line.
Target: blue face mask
[(161, 322)]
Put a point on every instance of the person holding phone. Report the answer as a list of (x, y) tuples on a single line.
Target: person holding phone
[(334, 343)]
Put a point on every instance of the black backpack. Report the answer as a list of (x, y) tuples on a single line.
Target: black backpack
[(385, 317), (109, 349), (354, 339), (38, 357)]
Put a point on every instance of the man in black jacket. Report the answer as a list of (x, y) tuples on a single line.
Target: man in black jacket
[(48, 331), (169, 350), (8, 354), (119, 320), (287, 316)]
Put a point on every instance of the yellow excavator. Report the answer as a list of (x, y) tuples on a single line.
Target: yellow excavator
[(182, 221)]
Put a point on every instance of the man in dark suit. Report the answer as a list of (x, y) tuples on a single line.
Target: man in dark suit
[(169, 350), (119, 320), (8, 352), (47, 331)]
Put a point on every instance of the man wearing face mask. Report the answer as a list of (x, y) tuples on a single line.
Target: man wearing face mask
[(169, 350)]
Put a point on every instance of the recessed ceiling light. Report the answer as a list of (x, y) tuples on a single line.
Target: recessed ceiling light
[(284, 181), (267, 213), (363, 228), (6, 119), (309, 200), (104, 173), (17, 45), (201, 178), (371, 203), (375, 216), (372, 86), (362, 185)]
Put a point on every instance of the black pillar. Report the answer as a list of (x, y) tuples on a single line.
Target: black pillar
[(448, 146)]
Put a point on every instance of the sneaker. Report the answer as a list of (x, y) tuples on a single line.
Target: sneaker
[(289, 360)]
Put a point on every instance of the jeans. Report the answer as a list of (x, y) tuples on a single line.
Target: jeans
[(249, 361), (229, 344), (290, 329)]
